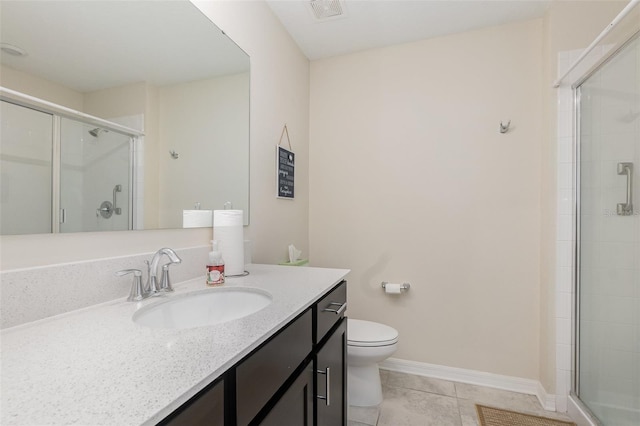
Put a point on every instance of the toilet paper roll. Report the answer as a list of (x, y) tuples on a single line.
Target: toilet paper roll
[(228, 230), (391, 288)]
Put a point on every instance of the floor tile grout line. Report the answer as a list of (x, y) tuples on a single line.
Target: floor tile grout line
[(466, 396), (422, 390)]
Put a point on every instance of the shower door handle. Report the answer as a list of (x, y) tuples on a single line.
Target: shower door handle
[(626, 209), (117, 188)]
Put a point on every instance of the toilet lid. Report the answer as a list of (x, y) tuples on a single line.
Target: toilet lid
[(368, 333)]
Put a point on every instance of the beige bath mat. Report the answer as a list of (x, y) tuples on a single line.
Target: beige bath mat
[(490, 416)]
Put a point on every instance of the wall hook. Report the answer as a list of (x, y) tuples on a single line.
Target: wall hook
[(174, 154), (504, 128)]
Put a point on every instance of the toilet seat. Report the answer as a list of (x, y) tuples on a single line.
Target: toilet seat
[(368, 333)]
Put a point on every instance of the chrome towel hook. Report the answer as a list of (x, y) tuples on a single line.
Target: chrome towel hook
[(504, 128)]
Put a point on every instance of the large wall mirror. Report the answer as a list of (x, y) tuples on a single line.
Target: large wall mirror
[(119, 115)]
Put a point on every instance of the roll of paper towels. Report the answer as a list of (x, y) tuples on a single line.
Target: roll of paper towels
[(228, 230), (391, 288)]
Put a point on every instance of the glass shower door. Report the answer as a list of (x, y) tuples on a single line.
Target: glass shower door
[(26, 152), (95, 178), (608, 331)]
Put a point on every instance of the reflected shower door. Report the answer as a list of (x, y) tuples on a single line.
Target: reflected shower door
[(95, 178), (26, 152), (608, 332)]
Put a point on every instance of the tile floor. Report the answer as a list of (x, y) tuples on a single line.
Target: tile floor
[(422, 401)]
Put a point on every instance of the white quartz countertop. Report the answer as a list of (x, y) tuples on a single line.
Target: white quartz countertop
[(95, 366)]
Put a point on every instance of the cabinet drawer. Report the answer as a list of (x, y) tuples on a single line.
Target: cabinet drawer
[(331, 309), (263, 372)]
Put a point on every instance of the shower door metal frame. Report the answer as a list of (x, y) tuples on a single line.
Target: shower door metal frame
[(577, 259), (56, 169), (58, 112), (575, 335)]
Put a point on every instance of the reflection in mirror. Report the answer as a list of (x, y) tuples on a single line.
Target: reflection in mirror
[(139, 119)]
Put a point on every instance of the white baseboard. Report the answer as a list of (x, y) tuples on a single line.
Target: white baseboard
[(473, 377)]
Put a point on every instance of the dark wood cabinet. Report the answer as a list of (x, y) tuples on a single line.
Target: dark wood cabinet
[(206, 408), (331, 370), (284, 381), (295, 407), (265, 370)]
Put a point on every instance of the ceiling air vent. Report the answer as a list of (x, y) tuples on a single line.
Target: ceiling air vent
[(325, 9)]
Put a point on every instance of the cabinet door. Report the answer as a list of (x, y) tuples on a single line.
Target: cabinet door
[(262, 374), (295, 408), (331, 370), (204, 409)]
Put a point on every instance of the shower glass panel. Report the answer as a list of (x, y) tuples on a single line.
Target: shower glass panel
[(608, 314), (95, 178), (26, 143)]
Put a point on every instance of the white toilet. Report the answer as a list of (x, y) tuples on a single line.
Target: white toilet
[(368, 343)]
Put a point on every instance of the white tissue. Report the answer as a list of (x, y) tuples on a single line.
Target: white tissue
[(294, 253), (391, 288)]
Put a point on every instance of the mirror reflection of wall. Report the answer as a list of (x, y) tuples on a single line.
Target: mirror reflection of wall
[(203, 122), (183, 87)]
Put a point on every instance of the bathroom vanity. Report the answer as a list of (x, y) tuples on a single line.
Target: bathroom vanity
[(282, 365), (276, 383)]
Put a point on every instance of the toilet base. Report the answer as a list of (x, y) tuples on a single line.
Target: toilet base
[(363, 385)]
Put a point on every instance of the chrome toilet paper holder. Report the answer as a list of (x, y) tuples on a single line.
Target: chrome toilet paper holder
[(403, 286)]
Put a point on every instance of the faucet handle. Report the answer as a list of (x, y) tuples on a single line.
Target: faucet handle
[(135, 272), (165, 282), (137, 292)]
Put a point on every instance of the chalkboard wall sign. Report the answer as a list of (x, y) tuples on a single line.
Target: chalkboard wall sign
[(286, 167)]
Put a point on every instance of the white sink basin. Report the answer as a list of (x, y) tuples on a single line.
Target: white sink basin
[(201, 308)]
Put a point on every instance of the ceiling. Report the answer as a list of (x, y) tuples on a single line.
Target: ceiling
[(369, 24), (92, 45)]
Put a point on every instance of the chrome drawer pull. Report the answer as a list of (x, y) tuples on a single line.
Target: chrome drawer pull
[(327, 374), (338, 311)]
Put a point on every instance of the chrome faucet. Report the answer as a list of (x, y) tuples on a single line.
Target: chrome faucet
[(152, 285)]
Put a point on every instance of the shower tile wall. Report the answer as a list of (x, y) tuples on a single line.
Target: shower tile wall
[(610, 288), (565, 231)]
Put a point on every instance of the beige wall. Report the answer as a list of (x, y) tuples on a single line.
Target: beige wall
[(279, 95), (151, 159), (113, 103), (40, 88), (412, 181)]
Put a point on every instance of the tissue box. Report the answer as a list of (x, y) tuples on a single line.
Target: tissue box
[(300, 262)]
